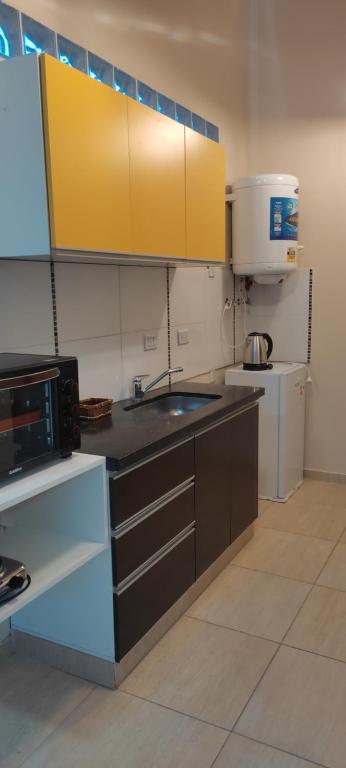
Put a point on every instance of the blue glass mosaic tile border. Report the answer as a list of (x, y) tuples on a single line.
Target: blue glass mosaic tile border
[(20, 34), (125, 83)]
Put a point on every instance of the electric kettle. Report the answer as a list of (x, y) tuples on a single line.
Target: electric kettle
[(258, 348)]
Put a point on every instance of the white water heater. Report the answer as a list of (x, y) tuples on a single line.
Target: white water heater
[(265, 226)]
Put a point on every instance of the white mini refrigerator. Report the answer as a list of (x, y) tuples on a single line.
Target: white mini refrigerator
[(281, 425)]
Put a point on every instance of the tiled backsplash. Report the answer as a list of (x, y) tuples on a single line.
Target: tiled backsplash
[(105, 311)]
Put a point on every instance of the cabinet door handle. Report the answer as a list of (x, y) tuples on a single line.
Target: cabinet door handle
[(228, 418), (136, 519), (139, 572)]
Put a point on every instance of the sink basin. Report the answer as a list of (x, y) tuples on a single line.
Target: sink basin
[(173, 404)]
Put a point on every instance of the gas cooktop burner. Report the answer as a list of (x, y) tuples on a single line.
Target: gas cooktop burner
[(13, 579)]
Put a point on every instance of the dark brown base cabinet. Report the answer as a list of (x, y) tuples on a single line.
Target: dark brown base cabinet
[(174, 514), (226, 460)]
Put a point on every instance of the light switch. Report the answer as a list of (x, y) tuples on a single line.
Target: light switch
[(150, 342), (183, 336)]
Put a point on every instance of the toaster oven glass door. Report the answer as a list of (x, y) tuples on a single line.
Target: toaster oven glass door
[(28, 428)]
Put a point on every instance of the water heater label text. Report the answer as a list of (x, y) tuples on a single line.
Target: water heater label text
[(283, 218)]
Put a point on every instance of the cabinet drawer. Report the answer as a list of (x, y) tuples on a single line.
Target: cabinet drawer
[(138, 541), (144, 484), (145, 600)]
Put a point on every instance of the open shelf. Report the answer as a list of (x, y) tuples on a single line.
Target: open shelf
[(54, 520), (48, 559), (23, 487)]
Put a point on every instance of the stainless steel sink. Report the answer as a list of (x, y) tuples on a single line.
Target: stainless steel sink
[(173, 404)]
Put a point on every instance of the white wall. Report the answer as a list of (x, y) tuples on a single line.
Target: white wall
[(297, 125)]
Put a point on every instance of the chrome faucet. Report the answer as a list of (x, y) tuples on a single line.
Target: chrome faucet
[(139, 391)]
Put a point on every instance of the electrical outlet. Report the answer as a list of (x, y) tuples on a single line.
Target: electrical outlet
[(150, 342), (183, 336)]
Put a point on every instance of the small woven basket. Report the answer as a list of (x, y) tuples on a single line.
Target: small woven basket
[(93, 408)]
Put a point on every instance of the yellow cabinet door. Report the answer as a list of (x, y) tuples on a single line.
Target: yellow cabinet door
[(157, 179), (205, 198), (86, 138)]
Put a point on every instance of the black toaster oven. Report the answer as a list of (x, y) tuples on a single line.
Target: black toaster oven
[(39, 410)]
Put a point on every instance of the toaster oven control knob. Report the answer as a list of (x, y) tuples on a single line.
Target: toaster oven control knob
[(67, 387), (76, 432)]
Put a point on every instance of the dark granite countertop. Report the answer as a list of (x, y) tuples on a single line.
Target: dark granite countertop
[(130, 436)]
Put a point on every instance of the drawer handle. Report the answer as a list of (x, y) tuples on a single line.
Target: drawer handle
[(172, 544), (233, 415), (146, 512)]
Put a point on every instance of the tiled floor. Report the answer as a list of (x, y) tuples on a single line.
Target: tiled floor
[(254, 676)]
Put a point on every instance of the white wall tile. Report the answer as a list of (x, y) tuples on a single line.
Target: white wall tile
[(289, 337), (283, 312), (25, 304), (38, 349), (143, 292), (137, 361), (218, 288), (99, 364), (219, 344), (88, 303), (195, 356), (219, 326), (286, 297), (188, 297)]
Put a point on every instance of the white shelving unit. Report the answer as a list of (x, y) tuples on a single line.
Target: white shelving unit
[(56, 522)]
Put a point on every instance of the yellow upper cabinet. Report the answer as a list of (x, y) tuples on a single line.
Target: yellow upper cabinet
[(205, 198), (87, 155), (157, 178)]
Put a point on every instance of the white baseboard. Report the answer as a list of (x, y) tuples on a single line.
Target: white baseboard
[(328, 477)]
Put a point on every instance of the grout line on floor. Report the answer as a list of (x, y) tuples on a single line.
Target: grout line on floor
[(234, 629), (58, 726), (297, 614), (309, 593), (329, 556), (173, 709), (281, 642), (296, 533), (313, 653), (220, 750), (256, 687), (271, 573), (232, 564), (332, 589), (279, 749)]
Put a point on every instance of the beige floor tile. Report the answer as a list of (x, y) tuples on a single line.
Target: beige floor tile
[(337, 493), (111, 729), (321, 624), (299, 706), (34, 699), (240, 752), (343, 538), (285, 554), (262, 505), (334, 573), (250, 601), (309, 518), (202, 670), (322, 492)]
